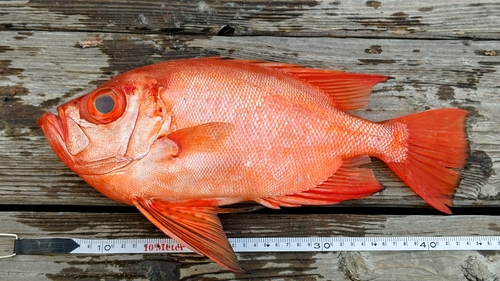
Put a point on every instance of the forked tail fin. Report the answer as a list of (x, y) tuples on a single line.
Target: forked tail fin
[(436, 144)]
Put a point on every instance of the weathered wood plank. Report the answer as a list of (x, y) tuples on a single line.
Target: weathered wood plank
[(439, 266), (463, 265), (42, 64), (330, 18), (45, 69)]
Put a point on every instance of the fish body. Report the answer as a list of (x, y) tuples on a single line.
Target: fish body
[(179, 139)]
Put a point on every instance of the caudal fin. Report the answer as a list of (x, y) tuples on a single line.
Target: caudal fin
[(436, 144)]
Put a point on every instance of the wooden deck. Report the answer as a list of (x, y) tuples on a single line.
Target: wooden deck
[(440, 55)]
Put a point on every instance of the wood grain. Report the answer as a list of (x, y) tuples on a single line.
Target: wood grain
[(439, 55), (301, 18)]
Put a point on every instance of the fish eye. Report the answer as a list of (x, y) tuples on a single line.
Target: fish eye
[(103, 106)]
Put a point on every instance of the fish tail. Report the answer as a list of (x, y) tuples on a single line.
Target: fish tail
[(435, 145)]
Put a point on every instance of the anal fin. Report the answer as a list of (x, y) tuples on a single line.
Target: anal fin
[(194, 224), (348, 182)]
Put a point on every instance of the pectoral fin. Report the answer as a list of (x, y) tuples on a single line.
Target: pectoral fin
[(205, 137), (195, 225)]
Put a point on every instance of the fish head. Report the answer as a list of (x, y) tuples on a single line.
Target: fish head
[(109, 128)]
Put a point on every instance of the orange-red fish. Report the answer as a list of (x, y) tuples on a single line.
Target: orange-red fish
[(178, 139)]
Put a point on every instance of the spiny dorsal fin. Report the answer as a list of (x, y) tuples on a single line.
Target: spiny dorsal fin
[(349, 91)]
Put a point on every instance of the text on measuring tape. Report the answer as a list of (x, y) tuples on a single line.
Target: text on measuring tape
[(264, 244)]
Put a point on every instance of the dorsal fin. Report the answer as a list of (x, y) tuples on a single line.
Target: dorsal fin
[(349, 91)]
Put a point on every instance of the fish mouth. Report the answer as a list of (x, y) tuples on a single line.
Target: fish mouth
[(51, 123), (54, 129)]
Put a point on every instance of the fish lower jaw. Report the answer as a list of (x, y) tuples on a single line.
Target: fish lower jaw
[(49, 123)]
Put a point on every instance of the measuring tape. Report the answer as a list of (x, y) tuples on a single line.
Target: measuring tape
[(264, 244)]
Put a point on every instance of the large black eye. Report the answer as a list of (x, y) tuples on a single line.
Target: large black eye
[(104, 104)]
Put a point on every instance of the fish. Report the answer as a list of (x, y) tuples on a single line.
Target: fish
[(182, 139)]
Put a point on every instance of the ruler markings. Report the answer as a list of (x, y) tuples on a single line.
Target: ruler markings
[(295, 244), (255, 244)]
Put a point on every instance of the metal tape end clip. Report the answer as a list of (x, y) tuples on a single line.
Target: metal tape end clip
[(9, 235)]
